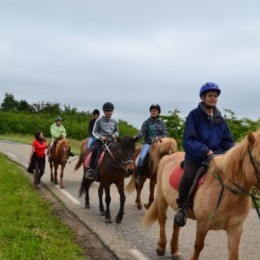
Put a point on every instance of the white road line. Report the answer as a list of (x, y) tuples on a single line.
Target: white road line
[(12, 155), (68, 195), (138, 255)]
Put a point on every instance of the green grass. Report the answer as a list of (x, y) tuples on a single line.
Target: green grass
[(28, 228)]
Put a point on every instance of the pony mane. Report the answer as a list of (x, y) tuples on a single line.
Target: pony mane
[(236, 161), (61, 144), (160, 148)]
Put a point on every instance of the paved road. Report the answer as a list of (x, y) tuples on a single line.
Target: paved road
[(129, 240)]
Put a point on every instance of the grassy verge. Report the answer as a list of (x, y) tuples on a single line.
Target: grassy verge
[(28, 139), (28, 228)]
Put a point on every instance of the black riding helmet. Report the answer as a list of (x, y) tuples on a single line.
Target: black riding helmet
[(95, 112), (108, 106), (156, 106)]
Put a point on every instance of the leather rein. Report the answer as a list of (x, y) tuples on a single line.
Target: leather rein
[(117, 163)]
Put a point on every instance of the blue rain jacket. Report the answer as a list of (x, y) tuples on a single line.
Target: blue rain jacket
[(203, 133)]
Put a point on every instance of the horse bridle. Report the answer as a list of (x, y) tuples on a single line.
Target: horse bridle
[(240, 190), (118, 164)]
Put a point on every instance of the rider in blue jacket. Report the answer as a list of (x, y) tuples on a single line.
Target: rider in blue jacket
[(206, 133)]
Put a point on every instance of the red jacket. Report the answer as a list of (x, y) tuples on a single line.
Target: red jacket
[(39, 148)]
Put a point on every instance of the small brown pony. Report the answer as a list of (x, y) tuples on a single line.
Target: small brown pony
[(234, 172), (116, 165), (59, 156), (159, 148)]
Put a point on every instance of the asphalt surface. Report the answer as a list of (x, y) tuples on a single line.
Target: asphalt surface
[(130, 240)]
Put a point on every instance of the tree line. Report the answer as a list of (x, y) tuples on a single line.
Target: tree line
[(22, 117)]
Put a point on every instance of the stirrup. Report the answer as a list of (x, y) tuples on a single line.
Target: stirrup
[(89, 174), (138, 180), (180, 217)]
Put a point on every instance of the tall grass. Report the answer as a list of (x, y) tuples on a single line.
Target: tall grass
[(28, 228)]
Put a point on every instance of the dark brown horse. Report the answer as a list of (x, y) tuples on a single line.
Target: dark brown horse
[(159, 148), (59, 156), (116, 165)]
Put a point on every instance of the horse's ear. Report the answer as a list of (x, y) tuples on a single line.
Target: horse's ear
[(251, 138)]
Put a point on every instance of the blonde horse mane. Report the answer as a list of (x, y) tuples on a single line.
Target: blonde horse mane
[(233, 161), (160, 148)]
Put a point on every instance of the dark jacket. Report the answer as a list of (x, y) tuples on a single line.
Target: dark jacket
[(203, 133), (151, 128), (91, 126)]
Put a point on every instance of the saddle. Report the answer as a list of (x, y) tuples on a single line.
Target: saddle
[(175, 179)]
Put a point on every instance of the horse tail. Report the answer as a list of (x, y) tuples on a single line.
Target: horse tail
[(152, 214), (79, 162), (82, 186), (130, 187)]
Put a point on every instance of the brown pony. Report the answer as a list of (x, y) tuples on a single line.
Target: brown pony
[(234, 172), (59, 156), (116, 165), (159, 148)]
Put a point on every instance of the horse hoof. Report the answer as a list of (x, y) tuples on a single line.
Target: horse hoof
[(147, 206), (55, 182), (139, 206), (87, 206), (108, 220), (117, 220), (61, 186), (160, 252), (102, 213)]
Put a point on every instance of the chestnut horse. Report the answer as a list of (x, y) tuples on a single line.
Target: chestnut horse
[(116, 165), (59, 156), (234, 173), (159, 148)]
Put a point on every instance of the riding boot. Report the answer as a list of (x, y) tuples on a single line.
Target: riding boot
[(90, 174), (138, 179), (180, 217)]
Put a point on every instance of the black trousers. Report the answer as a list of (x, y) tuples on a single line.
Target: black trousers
[(39, 169), (190, 170)]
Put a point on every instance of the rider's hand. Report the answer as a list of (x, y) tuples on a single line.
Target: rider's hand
[(103, 139), (209, 153)]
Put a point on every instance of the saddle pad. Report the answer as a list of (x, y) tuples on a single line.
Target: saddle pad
[(176, 176), (87, 159)]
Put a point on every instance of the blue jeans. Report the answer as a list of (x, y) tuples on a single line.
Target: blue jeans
[(144, 151)]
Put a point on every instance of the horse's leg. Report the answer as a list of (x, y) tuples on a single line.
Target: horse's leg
[(61, 176), (201, 232), (151, 196), (234, 234), (138, 195), (175, 241), (55, 173), (162, 208), (108, 200), (120, 214), (100, 195), (51, 166)]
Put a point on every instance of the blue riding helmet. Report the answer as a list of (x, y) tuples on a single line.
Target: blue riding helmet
[(209, 86)]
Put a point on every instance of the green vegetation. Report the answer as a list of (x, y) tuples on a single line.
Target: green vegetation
[(24, 118), (28, 228)]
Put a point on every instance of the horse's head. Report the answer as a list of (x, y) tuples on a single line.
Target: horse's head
[(63, 150), (126, 153)]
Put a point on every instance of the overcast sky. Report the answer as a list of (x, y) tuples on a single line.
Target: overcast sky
[(132, 53)]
